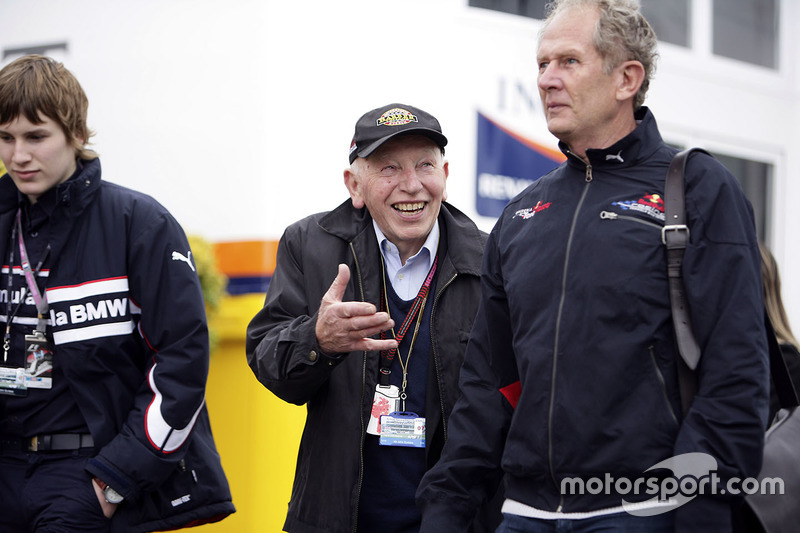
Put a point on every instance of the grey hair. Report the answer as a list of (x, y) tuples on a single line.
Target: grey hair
[(622, 34)]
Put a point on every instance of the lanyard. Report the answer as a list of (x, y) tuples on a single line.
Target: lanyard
[(416, 311), (30, 279)]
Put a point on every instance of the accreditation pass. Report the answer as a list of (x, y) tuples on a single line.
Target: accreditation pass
[(402, 429)]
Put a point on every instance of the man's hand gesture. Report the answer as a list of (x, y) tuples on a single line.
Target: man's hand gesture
[(346, 326)]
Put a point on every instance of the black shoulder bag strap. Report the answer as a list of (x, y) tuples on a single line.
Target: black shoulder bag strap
[(675, 235)]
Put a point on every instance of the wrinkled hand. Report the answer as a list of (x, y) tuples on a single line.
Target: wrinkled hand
[(345, 326)]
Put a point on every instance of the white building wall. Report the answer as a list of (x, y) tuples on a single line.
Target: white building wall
[(786, 243), (237, 114)]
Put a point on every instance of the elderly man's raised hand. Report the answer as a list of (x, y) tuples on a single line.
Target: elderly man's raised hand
[(346, 326)]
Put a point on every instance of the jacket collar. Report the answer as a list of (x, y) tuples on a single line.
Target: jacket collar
[(8, 194), (628, 151), (74, 194), (464, 240)]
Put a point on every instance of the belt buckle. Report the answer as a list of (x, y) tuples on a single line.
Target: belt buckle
[(33, 444)]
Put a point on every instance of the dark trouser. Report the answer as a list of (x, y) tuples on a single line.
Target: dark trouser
[(48, 492)]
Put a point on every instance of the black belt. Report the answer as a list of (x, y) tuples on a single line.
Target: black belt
[(49, 443)]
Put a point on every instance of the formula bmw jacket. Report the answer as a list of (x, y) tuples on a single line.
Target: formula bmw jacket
[(128, 323), (283, 353), (571, 371)]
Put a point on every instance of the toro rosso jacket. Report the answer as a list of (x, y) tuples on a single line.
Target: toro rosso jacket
[(128, 323), (283, 353), (571, 370)]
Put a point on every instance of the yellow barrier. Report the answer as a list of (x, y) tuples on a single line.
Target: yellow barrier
[(257, 434)]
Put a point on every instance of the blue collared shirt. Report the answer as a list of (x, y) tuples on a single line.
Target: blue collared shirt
[(407, 279)]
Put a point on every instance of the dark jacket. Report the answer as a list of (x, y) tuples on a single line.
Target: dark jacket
[(129, 327), (571, 367), (283, 353)]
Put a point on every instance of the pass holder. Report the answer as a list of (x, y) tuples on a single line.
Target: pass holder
[(385, 401), (12, 382), (38, 371), (402, 429)]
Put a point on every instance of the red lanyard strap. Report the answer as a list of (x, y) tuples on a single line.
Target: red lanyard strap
[(387, 356)]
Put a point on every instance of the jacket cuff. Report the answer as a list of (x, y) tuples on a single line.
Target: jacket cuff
[(334, 358), (445, 516), (130, 468), (112, 477)]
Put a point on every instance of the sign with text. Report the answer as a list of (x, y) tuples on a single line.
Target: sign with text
[(506, 164)]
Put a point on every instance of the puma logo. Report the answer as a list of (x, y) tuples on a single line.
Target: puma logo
[(618, 156), (177, 256)]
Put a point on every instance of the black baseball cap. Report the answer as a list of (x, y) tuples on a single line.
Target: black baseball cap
[(379, 125)]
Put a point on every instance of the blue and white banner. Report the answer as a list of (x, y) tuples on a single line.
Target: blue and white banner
[(506, 164)]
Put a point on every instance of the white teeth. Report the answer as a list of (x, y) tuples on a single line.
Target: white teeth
[(410, 207)]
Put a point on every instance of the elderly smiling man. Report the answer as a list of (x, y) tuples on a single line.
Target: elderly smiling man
[(366, 321)]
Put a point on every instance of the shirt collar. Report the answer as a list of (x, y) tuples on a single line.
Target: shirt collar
[(430, 246)]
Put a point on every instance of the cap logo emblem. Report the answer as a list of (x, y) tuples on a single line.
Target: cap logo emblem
[(396, 117)]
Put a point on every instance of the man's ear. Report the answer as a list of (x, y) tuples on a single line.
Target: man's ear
[(631, 79), (351, 181), (446, 168)]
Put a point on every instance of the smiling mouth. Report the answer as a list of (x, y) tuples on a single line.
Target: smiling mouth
[(409, 208)]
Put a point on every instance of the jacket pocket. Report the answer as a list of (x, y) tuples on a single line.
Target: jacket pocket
[(196, 491), (662, 385)]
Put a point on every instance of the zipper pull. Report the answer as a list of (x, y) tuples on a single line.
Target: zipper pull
[(7, 339), (608, 215), (588, 173)]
